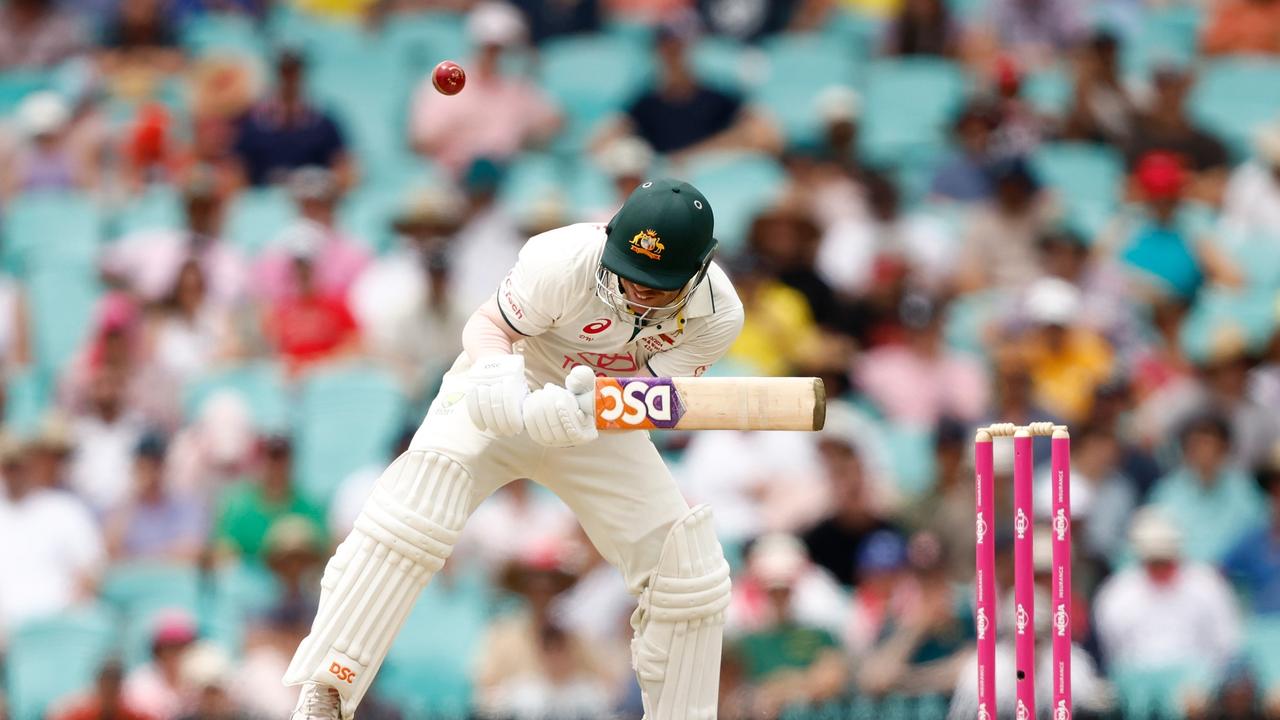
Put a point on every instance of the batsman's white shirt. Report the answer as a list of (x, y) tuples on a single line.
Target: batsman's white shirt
[(618, 486)]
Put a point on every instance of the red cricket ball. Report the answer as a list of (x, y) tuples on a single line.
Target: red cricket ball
[(449, 78)]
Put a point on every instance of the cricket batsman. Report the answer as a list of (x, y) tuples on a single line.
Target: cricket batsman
[(639, 296)]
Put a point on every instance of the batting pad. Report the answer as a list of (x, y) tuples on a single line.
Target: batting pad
[(679, 623), (402, 536)]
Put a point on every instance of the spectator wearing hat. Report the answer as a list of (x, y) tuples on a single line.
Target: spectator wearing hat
[(1101, 110), (917, 382), (964, 175), (1244, 27), (247, 510), (49, 450), (104, 701), (56, 551), (45, 158), (1209, 500), (1166, 126), (839, 110), (790, 659), (207, 670), (922, 27), (786, 237), (1064, 254), (947, 507), (998, 249), (1251, 201), (1168, 613), (497, 116), (295, 550), (1253, 564), (337, 259), (154, 522), (286, 131), (882, 579), (156, 688), (680, 116), (816, 599), (214, 449), (39, 34), (626, 161)]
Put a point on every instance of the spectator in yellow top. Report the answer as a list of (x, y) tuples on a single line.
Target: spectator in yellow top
[(779, 331), (1066, 361)]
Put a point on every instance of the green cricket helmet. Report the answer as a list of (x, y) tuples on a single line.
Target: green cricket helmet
[(661, 238)]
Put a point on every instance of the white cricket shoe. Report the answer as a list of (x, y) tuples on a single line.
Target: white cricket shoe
[(317, 702)]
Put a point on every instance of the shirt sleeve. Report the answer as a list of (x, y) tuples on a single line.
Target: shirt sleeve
[(534, 294), (700, 351)]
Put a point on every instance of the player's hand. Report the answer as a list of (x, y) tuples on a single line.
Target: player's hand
[(498, 390), (553, 416)]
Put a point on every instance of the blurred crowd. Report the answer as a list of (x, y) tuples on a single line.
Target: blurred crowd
[(240, 239)]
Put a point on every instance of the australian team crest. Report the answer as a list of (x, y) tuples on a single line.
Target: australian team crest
[(648, 244)]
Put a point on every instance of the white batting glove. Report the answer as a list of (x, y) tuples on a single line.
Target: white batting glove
[(554, 416), (498, 390)]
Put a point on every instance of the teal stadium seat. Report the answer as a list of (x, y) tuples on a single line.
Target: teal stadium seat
[(260, 383), (1248, 312), (348, 417), (1236, 95), (17, 84), (1152, 694), (1048, 90), (739, 186), (591, 77), (726, 63), (214, 33), (590, 189), (907, 106), (51, 230), (51, 658), (530, 178), (1087, 179), (910, 451), (140, 593), (26, 398), (159, 207), (420, 40), (256, 216), (1254, 254), (862, 33), (1166, 35), (1262, 650), (60, 307), (798, 69)]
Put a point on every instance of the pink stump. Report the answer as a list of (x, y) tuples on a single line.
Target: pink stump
[(1061, 487), (985, 576), (1023, 579)]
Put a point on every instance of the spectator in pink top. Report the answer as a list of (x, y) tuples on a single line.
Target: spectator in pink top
[(918, 382), (497, 116), (338, 258)]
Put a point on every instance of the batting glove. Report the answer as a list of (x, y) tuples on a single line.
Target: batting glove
[(498, 390), (555, 417)]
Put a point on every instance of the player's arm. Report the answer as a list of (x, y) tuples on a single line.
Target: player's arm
[(487, 333)]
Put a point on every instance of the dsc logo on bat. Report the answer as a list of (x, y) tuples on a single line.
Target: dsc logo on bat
[(637, 403)]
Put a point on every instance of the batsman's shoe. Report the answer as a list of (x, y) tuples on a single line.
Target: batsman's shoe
[(317, 702)]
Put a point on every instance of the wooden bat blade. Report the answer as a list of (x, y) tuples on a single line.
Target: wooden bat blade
[(701, 403)]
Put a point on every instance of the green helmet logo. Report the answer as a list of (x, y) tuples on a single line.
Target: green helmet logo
[(662, 236)]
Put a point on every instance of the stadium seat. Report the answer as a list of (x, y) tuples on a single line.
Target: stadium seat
[(862, 33), (530, 178), (1166, 35), (214, 33), (60, 310), (589, 189), (141, 592), (17, 84), (798, 69), (1152, 693), (739, 186), (256, 217), (26, 398), (348, 417), (910, 451), (1234, 96), (726, 63), (157, 208), (420, 40), (591, 77), (1087, 179), (1262, 648), (1219, 313), (261, 383), (907, 106), (53, 657), (1048, 90), (51, 230)]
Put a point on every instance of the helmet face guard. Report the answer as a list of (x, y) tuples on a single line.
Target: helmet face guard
[(609, 290)]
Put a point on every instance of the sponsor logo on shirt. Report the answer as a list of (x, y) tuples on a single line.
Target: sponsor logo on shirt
[(648, 244), (606, 362), (510, 300)]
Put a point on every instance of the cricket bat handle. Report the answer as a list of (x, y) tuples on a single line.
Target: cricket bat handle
[(702, 403)]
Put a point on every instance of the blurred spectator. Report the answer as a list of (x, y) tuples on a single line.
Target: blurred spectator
[(207, 670), (1033, 31), (680, 116), (157, 688), (1242, 26), (150, 262), (786, 240), (247, 510), (922, 27), (190, 333), (1251, 204), (964, 175), (752, 22), (138, 43), (286, 131), (295, 550), (926, 641), (919, 381), (627, 161), (338, 259), (15, 331), (1000, 237), (1103, 499), (1067, 361), (836, 541), (105, 701), (1166, 126), (46, 158), (548, 20), (779, 329), (39, 34), (519, 515), (106, 434), (269, 643), (1165, 245), (49, 450), (789, 659), (1168, 613), (1254, 562), (309, 326), (1101, 110), (1020, 124), (154, 522), (882, 578), (1162, 363), (1102, 285), (1209, 501), (526, 662), (499, 115), (947, 508), (55, 550), (487, 244), (816, 599), (404, 300), (214, 450)]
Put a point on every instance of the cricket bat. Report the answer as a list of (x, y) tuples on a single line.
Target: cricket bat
[(707, 403)]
